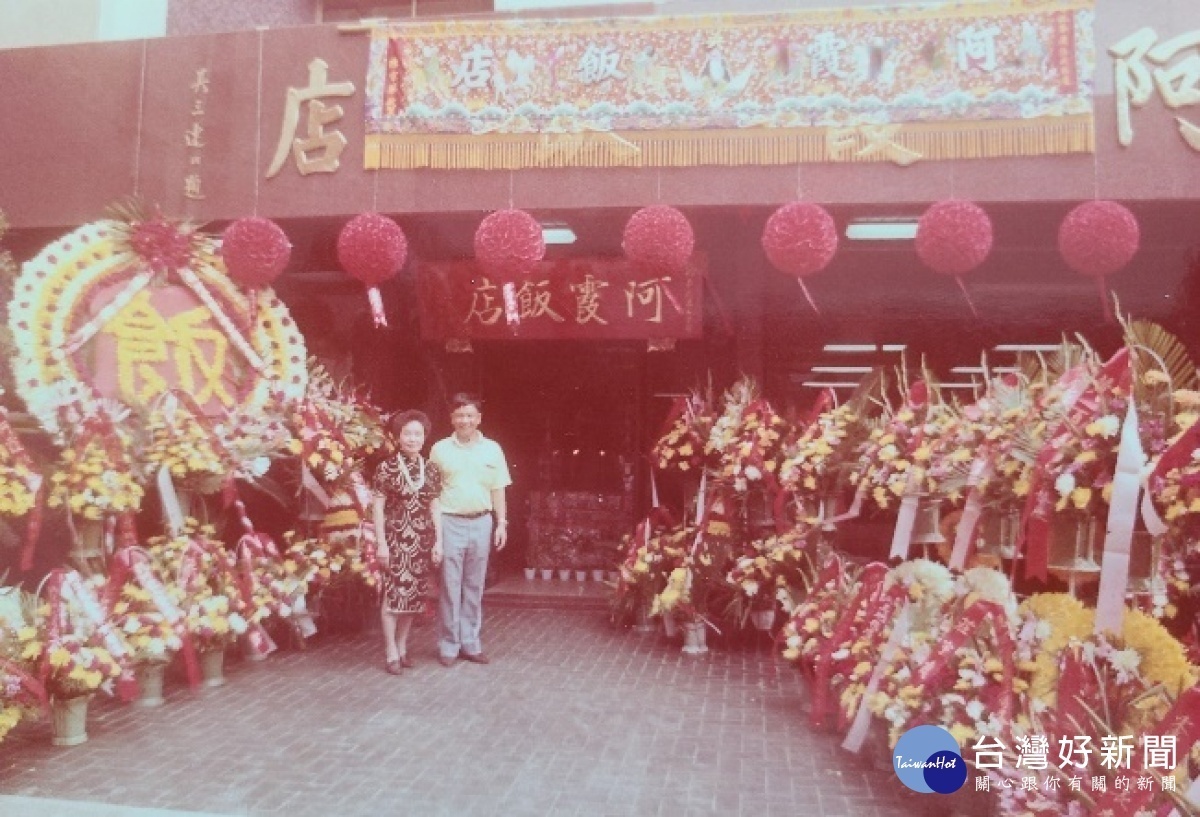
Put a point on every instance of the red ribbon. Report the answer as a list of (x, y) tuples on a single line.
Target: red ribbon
[(869, 589), (1034, 536), (938, 672), (123, 569), (1182, 721), (11, 443)]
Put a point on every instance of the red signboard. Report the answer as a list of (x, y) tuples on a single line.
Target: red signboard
[(585, 299)]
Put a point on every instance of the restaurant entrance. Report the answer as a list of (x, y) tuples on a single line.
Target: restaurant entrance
[(569, 416)]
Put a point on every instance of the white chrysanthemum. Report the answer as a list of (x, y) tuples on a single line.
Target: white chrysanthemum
[(1065, 484)]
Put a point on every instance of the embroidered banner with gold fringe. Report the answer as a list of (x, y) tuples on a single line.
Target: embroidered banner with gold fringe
[(899, 84)]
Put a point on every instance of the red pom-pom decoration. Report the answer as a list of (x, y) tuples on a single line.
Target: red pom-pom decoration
[(659, 237), (256, 251), (509, 243), (372, 248), (800, 238), (1098, 238), (954, 237)]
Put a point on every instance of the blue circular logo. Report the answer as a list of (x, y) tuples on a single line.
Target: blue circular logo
[(927, 759)]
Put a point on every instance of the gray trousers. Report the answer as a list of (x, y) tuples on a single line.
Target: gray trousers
[(466, 544)]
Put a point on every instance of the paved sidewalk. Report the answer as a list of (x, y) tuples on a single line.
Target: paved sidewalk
[(572, 717)]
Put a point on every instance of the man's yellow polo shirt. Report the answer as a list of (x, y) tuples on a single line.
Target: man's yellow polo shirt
[(469, 474)]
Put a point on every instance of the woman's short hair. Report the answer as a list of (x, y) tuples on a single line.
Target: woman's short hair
[(465, 399), (403, 418)]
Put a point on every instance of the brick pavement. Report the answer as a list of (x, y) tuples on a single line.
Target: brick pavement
[(572, 717)]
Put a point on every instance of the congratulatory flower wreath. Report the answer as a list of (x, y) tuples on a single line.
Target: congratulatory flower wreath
[(133, 307)]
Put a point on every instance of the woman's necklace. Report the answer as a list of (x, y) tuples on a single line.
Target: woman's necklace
[(417, 485)]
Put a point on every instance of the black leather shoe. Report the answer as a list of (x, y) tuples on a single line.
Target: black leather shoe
[(394, 668), (477, 658), (445, 662)]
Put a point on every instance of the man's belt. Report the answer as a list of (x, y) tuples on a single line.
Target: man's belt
[(475, 515)]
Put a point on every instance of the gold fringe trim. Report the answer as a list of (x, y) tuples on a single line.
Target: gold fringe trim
[(939, 141)]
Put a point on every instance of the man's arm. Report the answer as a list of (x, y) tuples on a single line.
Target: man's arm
[(498, 505)]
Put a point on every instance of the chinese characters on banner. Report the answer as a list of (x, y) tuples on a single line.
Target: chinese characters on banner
[(568, 299), (193, 137), (1175, 74), (894, 84), (319, 150)]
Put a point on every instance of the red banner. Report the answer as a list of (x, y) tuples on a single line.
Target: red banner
[(585, 299)]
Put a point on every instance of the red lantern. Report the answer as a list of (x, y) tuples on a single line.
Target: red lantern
[(953, 238), (659, 237), (800, 239), (372, 248), (1099, 238), (256, 251), (508, 244)]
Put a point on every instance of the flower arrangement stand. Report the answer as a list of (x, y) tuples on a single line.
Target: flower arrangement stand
[(212, 667), (68, 720), (150, 677), (763, 619), (670, 625), (641, 621), (695, 638)]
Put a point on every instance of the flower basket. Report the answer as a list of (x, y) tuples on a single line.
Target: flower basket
[(150, 677), (68, 720), (212, 667)]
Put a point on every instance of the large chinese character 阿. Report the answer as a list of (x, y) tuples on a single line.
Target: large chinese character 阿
[(977, 48), (320, 150), (646, 293), (1132, 82), (1179, 84)]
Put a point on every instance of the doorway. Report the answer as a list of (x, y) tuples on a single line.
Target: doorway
[(568, 415)]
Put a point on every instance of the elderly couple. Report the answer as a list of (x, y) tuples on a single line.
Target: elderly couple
[(439, 510)]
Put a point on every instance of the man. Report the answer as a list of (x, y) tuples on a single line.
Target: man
[(474, 476)]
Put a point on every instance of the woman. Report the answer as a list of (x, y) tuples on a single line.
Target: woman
[(408, 530)]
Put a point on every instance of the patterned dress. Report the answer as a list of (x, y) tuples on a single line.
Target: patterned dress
[(408, 529)]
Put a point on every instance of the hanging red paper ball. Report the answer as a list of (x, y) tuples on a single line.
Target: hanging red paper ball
[(256, 251), (372, 248), (659, 237), (800, 238), (1098, 238), (509, 243), (954, 237)]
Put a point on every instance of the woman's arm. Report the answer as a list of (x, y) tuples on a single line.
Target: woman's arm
[(381, 547)]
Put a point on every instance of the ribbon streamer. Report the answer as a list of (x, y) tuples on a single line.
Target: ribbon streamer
[(170, 501), (964, 534), (378, 315), (861, 726), (235, 336), (86, 332), (1122, 513)]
